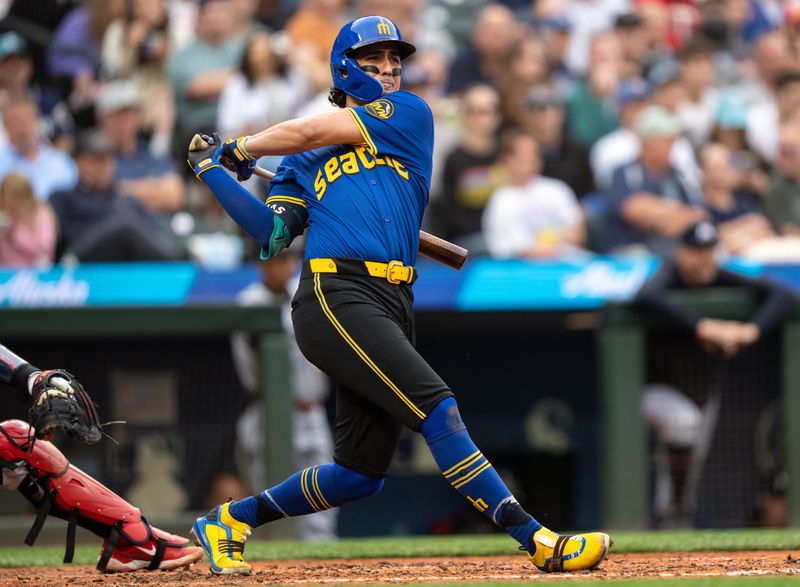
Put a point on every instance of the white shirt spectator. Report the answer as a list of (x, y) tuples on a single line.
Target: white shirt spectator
[(517, 217), (258, 106), (698, 117), (623, 146), (762, 129)]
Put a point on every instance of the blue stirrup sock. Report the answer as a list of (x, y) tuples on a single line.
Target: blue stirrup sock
[(472, 475), (308, 491)]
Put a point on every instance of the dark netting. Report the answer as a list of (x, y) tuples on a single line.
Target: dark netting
[(730, 474)]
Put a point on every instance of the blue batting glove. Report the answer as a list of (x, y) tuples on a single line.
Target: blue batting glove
[(236, 158), (204, 153)]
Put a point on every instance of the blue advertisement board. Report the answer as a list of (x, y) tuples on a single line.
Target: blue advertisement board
[(483, 285)]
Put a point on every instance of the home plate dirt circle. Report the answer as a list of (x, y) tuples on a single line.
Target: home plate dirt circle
[(426, 570)]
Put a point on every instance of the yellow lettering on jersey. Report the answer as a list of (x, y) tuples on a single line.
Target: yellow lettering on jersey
[(349, 163), (401, 169), (479, 504), (362, 155), (320, 185), (332, 171)]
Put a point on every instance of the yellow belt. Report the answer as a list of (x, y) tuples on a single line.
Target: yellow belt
[(393, 271)]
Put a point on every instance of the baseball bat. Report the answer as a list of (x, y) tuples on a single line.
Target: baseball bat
[(430, 245)]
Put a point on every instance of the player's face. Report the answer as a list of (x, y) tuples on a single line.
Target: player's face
[(384, 58), (697, 266)]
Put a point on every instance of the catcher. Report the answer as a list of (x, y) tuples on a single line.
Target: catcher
[(32, 465)]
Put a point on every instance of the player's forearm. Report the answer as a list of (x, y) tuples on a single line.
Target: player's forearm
[(253, 215), (305, 134)]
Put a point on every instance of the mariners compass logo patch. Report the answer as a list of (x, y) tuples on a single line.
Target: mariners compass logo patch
[(380, 108)]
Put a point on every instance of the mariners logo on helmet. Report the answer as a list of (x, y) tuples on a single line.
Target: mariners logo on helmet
[(381, 108), (346, 73), (383, 28)]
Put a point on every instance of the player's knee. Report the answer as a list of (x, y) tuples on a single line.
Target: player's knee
[(357, 485), (442, 421)]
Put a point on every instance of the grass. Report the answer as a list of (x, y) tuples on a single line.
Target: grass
[(700, 582), (449, 546)]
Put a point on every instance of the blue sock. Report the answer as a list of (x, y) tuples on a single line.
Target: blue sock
[(311, 490), (472, 475)]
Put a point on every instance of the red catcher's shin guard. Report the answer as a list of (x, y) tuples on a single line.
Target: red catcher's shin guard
[(57, 488)]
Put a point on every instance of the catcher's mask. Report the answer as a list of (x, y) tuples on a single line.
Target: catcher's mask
[(347, 74)]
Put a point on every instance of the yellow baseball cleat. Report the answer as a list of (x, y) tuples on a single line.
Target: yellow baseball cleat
[(556, 553), (223, 538)]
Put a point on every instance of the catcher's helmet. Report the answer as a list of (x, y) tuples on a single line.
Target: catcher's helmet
[(347, 75)]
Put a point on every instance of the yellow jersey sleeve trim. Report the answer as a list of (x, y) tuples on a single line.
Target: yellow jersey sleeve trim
[(287, 199), (364, 132)]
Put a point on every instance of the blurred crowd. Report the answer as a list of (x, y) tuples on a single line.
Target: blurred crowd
[(563, 127)]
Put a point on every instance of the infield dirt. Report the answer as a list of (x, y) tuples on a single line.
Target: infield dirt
[(426, 570)]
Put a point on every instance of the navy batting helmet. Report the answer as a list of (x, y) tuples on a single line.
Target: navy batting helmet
[(347, 75)]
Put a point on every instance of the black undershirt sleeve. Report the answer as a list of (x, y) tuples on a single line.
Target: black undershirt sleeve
[(653, 296), (776, 301)]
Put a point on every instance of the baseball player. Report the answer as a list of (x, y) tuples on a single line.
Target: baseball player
[(359, 178), (37, 469)]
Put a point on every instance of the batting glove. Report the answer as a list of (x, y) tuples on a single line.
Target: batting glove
[(204, 153), (236, 158)]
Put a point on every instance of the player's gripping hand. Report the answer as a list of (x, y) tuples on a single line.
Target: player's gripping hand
[(204, 153), (61, 403), (236, 158)]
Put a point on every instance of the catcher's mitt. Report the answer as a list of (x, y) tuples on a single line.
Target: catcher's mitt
[(61, 403)]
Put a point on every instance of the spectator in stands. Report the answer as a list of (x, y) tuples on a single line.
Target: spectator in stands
[(555, 31), (675, 418), (650, 204), (736, 212), (591, 108), (765, 119), (562, 157), (470, 173), (666, 88), (531, 216), (527, 67), (782, 204), (200, 70), (151, 180), (264, 91), (633, 40), (311, 31), (48, 169), (590, 20), (74, 55), (136, 47), (27, 226), (97, 222), (698, 107), (16, 81), (46, 16), (623, 145), (729, 130), (494, 37)]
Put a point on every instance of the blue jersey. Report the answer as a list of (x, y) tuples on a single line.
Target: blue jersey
[(365, 201)]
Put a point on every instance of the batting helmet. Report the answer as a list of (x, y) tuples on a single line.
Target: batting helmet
[(347, 75)]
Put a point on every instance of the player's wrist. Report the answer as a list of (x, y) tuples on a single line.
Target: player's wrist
[(242, 144)]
